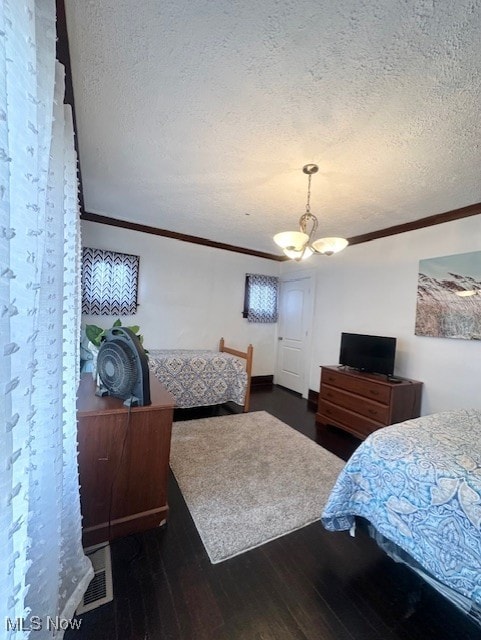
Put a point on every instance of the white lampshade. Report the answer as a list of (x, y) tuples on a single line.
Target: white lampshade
[(328, 246), (303, 254), (292, 240)]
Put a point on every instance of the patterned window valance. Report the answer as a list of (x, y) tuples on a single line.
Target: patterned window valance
[(260, 299), (109, 283)]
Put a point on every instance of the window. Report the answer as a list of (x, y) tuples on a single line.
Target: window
[(260, 298), (109, 283)]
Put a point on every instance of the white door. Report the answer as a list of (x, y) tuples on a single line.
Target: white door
[(295, 311)]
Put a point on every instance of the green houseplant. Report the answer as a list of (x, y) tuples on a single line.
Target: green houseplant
[(96, 334)]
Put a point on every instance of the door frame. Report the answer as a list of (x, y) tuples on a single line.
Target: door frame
[(305, 274)]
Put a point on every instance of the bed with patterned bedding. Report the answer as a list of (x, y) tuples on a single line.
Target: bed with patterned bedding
[(419, 484), (198, 378)]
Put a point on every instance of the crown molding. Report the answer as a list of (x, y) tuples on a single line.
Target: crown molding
[(438, 218), (183, 237)]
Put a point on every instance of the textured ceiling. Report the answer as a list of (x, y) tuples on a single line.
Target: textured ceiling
[(197, 115)]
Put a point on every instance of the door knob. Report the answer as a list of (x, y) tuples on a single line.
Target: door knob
[(280, 338)]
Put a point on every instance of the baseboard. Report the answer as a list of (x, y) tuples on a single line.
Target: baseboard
[(258, 382), (312, 398), (121, 527), (262, 381)]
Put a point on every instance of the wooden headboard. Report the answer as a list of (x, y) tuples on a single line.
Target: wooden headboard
[(247, 355)]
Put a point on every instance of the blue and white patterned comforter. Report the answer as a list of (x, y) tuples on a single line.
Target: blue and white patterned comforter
[(198, 378), (419, 484)]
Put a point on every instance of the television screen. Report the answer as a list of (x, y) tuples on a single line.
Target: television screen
[(374, 354)]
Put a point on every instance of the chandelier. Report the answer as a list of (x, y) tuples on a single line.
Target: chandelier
[(299, 245)]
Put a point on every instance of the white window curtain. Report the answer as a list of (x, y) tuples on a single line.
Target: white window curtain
[(43, 571)]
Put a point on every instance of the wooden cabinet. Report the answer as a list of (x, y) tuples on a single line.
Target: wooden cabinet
[(123, 459), (362, 402)]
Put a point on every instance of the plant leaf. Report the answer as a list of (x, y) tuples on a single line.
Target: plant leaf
[(117, 323), (94, 334), (135, 329)]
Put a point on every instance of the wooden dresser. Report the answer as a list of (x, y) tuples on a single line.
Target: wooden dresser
[(123, 462), (363, 402)]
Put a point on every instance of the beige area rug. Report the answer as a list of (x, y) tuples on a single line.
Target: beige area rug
[(248, 479)]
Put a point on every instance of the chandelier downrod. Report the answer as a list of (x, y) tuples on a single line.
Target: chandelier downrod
[(298, 245)]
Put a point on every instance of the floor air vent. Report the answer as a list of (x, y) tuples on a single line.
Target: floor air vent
[(100, 590)]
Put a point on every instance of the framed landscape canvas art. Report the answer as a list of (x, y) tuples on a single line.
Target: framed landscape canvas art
[(449, 297)]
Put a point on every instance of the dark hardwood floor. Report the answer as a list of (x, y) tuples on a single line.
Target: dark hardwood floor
[(308, 585)]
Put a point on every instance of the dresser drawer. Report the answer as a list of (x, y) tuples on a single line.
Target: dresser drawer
[(361, 402), (366, 388), (355, 423), (366, 407)]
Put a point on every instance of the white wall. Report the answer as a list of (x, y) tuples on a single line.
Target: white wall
[(371, 288), (189, 295), (192, 295)]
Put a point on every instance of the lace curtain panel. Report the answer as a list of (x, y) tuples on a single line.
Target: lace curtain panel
[(43, 571)]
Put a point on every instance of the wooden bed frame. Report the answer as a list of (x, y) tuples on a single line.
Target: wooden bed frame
[(247, 355)]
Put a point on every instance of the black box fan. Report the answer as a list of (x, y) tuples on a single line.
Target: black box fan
[(122, 367)]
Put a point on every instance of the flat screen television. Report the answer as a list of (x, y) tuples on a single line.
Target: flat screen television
[(374, 354)]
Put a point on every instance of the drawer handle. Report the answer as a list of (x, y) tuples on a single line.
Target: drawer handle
[(328, 411), (329, 394), (373, 392), (331, 378), (373, 412)]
